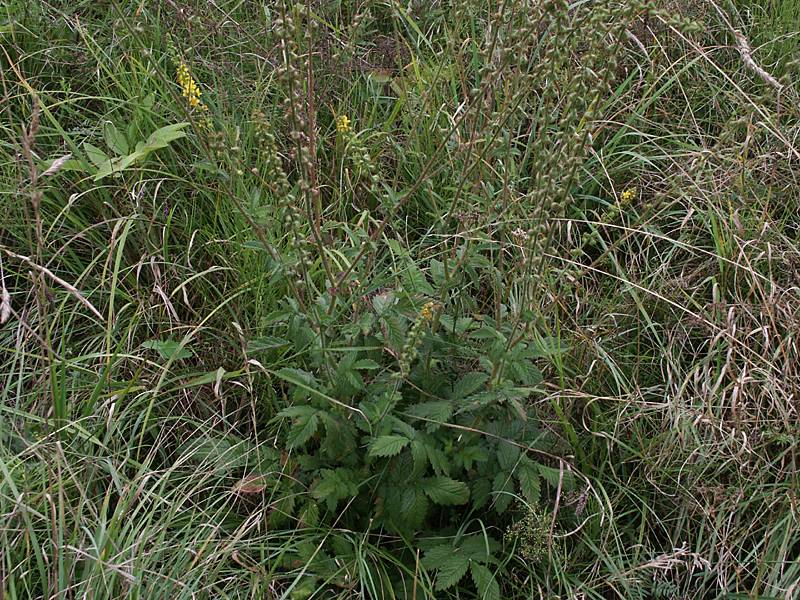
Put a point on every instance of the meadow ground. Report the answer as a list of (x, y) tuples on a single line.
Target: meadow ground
[(399, 299)]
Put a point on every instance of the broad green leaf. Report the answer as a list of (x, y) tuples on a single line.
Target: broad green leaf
[(366, 364), (459, 325), (168, 349), (114, 138), (481, 491), (478, 548), (309, 515), (434, 413), (334, 485), (160, 138), (451, 570), (437, 271), (395, 331), (117, 166), (438, 460), (435, 557), (97, 157), (265, 343), (507, 455), (487, 333), (552, 476), (471, 454), (340, 440), (414, 281), (485, 581), (469, 384), (383, 302), (445, 491), (503, 491), (294, 412), (529, 484), (526, 373), (299, 377), (414, 507), (302, 430), (387, 445)]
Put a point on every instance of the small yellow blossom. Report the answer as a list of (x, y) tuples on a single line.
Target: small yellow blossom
[(628, 195), (342, 124), (426, 314)]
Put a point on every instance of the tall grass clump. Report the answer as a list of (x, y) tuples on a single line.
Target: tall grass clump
[(398, 300)]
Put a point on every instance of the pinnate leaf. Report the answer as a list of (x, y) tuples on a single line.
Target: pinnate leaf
[(387, 445), (445, 491), (484, 580)]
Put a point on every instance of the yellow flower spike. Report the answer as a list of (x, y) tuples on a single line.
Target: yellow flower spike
[(426, 314), (189, 88), (342, 124)]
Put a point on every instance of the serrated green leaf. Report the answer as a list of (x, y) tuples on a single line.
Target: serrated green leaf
[(383, 302), (552, 476), (437, 271), (435, 557), (148, 101), (348, 380), (526, 373), (457, 326), (438, 460), (387, 445), (529, 484), (485, 581), (507, 455), (294, 412), (302, 430), (445, 491), (339, 442), (334, 485), (366, 364), (451, 571), (434, 413), (503, 488), (414, 281), (481, 490), (395, 331), (478, 547), (414, 507), (469, 384), (297, 377), (309, 515)]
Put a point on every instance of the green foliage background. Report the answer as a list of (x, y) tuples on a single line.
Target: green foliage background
[(523, 325)]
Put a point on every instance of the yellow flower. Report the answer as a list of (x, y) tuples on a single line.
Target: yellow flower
[(628, 195), (190, 89), (342, 124), (426, 314)]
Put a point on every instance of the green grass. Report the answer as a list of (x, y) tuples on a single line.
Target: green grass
[(437, 355)]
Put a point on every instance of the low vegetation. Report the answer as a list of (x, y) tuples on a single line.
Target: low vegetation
[(381, 299)]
